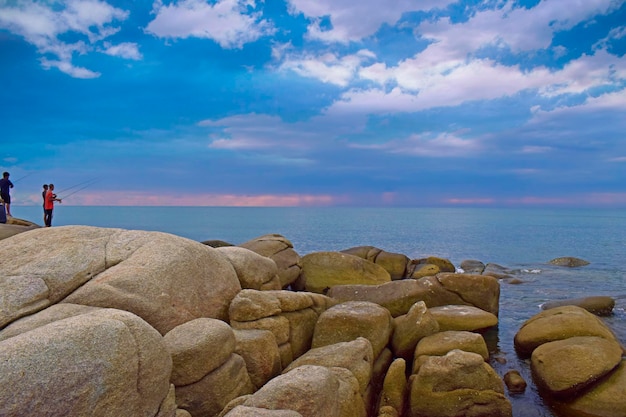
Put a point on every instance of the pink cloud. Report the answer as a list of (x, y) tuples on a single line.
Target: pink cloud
[(234, 200)]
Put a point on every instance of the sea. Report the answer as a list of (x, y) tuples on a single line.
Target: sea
[(523, 240)]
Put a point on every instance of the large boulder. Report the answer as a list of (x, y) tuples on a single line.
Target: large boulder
[(356, 356), (259, 350), (588, 359), (14, 226), (312, 391), (324, 270), (254, 271), (410, 328), (280, 250), (598, 305), (440, 290), (198, 347), (606, 398), (457, 384), (439, 344), (394, 263), (455, 317), (101, 363), (348, 321), (393, 394), (164, 279), (557, 324)]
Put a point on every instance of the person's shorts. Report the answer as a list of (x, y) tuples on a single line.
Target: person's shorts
[(6, 198)]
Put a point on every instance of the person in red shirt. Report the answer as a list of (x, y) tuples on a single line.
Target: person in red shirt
[(48, 206)]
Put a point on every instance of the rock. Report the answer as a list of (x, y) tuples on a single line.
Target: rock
[(253, 270), (497, 271), (102, 363), (164, 279), (347, 321), (460, 317), (356, 356), (393, 394), (324, 270), (312, 391), (568, 261), (259, 350), (49, 315), (477, 290), (198, 347), (439, 344), (394, 263), (250, 305), (444, 289), (280, 250), (212, 393), (606, 399), (215, 243), (557, 324), (410, 328), (11, 229), (425, 270), (599, 305), (588, 359), (472, 266), (443, 264), (514, 382), (243, 411), (457, 384)]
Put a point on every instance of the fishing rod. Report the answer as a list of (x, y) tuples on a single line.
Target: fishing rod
[(88, 183), (22, 177), (80, 189)]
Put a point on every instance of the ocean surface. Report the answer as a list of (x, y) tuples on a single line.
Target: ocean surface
[(523, 240)]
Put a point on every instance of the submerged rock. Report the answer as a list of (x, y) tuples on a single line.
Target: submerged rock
[(599, 305), (568, 261)]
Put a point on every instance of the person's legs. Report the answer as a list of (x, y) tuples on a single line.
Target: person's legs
[(48, 218)]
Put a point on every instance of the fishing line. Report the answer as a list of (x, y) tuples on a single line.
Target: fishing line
[(80, 189), (88, 183)]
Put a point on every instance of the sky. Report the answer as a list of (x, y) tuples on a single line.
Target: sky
[(489, 103)]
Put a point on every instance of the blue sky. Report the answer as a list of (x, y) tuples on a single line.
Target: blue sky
[(325, 102)]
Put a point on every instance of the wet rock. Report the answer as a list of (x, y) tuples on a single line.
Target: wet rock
[(568, 261), (587, 360), (472, 266), (559, 323), (599, 305), (514, 382)]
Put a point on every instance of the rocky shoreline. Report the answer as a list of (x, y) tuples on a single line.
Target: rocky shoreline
[(102, 322)]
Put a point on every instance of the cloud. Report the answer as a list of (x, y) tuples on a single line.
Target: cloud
[(140, 198), (230, 23), (46, 25), (354, 20), (439, 145), (327, 68), (126, 50), (69, 69)]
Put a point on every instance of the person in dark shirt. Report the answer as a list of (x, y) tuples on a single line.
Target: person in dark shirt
[(43, 195), (5, 184)]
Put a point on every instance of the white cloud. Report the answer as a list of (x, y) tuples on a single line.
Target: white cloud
[(328, 68), (354, 20), (43, 24), (227, 22), (126, 50), (442, 145), (69, 69)]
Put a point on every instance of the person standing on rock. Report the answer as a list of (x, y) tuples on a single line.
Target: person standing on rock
[(51, 197), (5, 184), (43, 196)]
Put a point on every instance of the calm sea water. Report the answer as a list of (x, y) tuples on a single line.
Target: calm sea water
[(523, 240)]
